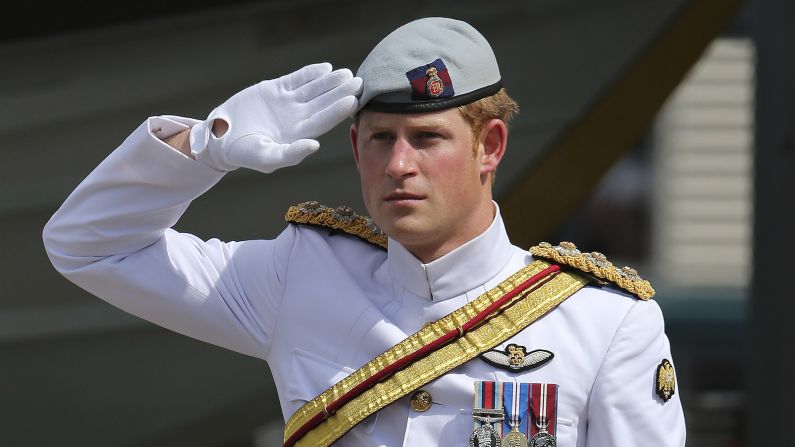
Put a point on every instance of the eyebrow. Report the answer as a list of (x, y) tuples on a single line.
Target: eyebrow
[(426, 123)]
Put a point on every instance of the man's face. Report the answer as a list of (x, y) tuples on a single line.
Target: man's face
[(421, 182)]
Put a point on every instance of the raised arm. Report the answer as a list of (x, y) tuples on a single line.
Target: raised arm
[(112, 235)]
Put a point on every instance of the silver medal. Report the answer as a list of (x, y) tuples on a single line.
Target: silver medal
[(542, 438), (484, 436)]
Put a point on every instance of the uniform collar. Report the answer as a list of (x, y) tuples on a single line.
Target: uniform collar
[(463, 269)]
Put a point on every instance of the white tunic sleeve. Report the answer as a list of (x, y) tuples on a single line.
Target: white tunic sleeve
[(112, 237), (624, 408)]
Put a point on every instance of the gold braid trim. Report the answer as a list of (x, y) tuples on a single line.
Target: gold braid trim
[(506, 323), (596, 264), (341, 218)]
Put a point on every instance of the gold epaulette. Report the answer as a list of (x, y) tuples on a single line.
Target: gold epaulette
[(597, 265), (341, 218)]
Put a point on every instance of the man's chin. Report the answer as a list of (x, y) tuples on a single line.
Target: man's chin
[(404, 228), (390, 215)]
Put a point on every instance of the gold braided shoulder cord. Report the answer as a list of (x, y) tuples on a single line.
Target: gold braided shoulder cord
[(501, 327), (341, 218), (595, 263)]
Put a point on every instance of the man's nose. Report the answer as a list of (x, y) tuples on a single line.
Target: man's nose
[(402, 160)]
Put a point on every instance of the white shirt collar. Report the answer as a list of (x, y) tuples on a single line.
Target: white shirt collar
[(463, 269)]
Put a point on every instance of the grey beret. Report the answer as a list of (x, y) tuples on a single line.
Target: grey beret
[(428, 64)]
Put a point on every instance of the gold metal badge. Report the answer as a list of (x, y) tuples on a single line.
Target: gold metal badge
[(665, 386), (597, 265), (421, 401), (516, 355), (434, 86)]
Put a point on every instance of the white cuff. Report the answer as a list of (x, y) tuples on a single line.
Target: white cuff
[(162, 127)]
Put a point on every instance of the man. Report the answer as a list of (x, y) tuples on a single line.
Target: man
[(587, 366)]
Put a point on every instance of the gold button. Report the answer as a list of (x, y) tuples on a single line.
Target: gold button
[(421, 401)]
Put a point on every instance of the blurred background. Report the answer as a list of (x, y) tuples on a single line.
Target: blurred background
[(659, 132)]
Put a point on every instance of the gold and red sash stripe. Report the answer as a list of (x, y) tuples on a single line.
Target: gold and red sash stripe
[(436, 349)]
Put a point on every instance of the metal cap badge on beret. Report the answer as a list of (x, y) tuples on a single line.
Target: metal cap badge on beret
[(426, 65)]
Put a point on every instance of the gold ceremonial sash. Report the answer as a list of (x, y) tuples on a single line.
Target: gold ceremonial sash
[(502, 325)]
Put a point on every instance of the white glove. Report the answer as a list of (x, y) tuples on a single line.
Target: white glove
[(273, 124)]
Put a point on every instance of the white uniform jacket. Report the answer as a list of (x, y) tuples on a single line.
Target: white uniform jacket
[(316, 306)]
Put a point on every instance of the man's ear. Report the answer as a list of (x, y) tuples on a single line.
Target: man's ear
[(494, 140), (353, 132)]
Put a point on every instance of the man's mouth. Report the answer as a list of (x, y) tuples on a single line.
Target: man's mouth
[(403, 197)]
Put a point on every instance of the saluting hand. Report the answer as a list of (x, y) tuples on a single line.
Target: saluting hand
[(274, 124)]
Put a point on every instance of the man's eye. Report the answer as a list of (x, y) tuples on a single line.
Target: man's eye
[(381, 136), (429, 135)]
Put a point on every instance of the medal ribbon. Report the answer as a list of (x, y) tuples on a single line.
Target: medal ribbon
[(516, 408), (544, 401), (487, 397)]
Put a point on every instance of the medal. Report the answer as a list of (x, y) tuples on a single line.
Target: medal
[(484, 436), (514, 438), (544, 404), (487, 410), (528, 412), (542, 438)]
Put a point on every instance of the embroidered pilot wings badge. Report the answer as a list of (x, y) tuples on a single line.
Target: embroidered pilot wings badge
[(515, 358)]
